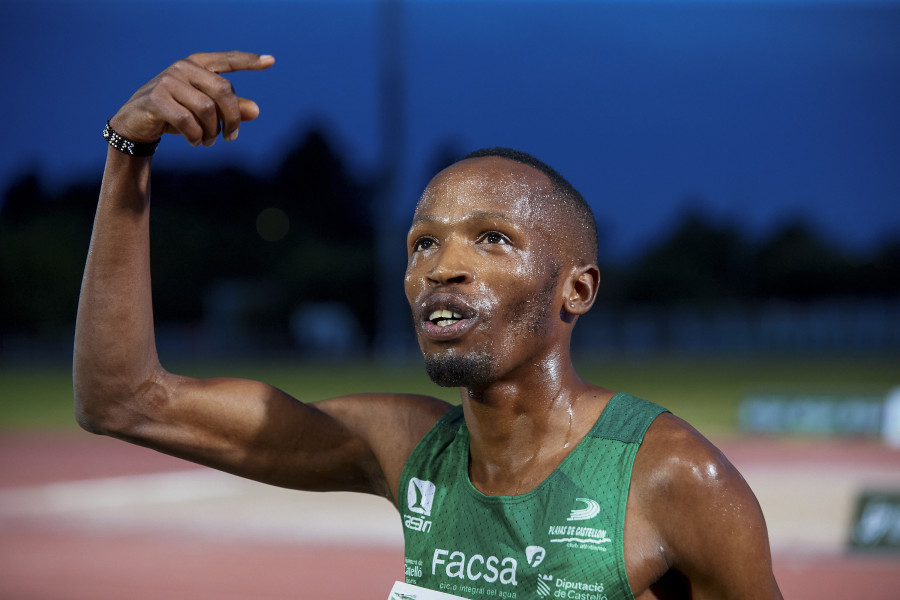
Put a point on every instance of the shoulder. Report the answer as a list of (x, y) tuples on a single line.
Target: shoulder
[(704, 518), (679, 471), (673, 453), (390, 425)]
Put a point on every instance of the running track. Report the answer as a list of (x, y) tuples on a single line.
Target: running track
[(87, 517)]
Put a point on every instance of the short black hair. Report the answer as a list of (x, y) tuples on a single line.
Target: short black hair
[(581, 213)]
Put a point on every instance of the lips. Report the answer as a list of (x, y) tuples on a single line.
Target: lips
[(445, 317)]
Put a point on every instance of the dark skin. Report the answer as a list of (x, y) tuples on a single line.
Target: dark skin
[(693, 528)]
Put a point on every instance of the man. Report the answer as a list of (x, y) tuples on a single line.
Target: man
[(538, 485)]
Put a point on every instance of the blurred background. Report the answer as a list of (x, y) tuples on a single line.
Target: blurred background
[(742, 160)]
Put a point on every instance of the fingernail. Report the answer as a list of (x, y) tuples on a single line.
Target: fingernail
[(232, 136)]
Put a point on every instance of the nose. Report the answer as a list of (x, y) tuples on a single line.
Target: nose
[(450, 266)]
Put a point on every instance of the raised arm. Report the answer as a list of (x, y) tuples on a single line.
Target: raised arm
[(244, 427)]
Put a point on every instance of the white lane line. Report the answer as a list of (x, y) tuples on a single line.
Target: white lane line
[(206, 502), (116, 492)]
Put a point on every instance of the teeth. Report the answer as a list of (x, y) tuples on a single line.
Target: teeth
[(444, 317), (444, 314)]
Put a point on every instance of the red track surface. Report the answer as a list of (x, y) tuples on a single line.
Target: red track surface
[(46, 559)]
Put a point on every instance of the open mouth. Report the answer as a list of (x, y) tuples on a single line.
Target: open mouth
[(444, 317)]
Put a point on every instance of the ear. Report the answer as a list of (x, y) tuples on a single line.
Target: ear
[(581, 289)]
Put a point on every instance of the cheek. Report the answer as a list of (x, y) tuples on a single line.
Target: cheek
[(485, 299), (410, 285), (536, 263), (530, 312), (534, 300)]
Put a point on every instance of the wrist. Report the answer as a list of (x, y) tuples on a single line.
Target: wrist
[(127, 146)]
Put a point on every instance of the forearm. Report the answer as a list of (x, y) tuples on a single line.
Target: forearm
[(115, 351)]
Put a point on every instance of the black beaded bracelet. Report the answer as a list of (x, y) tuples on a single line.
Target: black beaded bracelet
[(125, 145)]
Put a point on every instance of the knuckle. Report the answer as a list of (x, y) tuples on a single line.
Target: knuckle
[(166, 80), (223, 86), (206, 107), (183, 121), (158, 98), (178, 66), (155, 93), (195, 58), (187, 125)]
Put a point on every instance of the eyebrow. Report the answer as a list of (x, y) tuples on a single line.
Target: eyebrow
[(477, 216)]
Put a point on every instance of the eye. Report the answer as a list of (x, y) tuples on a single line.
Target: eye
[(424, 243), (493, 237)]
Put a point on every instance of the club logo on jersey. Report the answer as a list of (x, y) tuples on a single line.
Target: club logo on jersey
[(420, 496), (577, 536), (535, 555), (590, 510)]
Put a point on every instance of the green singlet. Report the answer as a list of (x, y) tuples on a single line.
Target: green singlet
[(561, 540)]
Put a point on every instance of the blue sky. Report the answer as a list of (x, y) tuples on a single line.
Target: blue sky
[(753, 112)]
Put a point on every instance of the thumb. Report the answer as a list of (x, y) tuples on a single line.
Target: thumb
[(249, 109)]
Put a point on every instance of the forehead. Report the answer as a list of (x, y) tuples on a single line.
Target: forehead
[(485, 185)]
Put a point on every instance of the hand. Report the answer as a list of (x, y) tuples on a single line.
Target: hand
[(190, 98)]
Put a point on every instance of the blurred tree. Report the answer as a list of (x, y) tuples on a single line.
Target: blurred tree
[(203, 226), (313, 183), (24, 199), (43, 241), (881, 276), (698, 262), (328, 254), (798, 264), (207, 226), (305, 234)]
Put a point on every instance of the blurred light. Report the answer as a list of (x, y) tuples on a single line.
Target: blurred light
[(272, 224)]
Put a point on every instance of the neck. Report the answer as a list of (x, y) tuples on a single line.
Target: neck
[(523, 426)]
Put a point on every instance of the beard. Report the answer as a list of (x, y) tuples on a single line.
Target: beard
[(453, 370)]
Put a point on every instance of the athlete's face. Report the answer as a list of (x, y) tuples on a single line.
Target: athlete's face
[(483, 279)]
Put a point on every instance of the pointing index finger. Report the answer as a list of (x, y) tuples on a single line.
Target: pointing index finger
[(234, 60)]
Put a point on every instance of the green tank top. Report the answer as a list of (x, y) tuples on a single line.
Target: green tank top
[(561, 540)]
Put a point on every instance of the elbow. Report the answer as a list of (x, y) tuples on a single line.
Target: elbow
[(89, 422), (113, 397), (113, 409), (93, 395), (91, 414)]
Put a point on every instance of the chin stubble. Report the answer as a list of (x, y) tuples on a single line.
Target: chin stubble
[(453, 370)]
